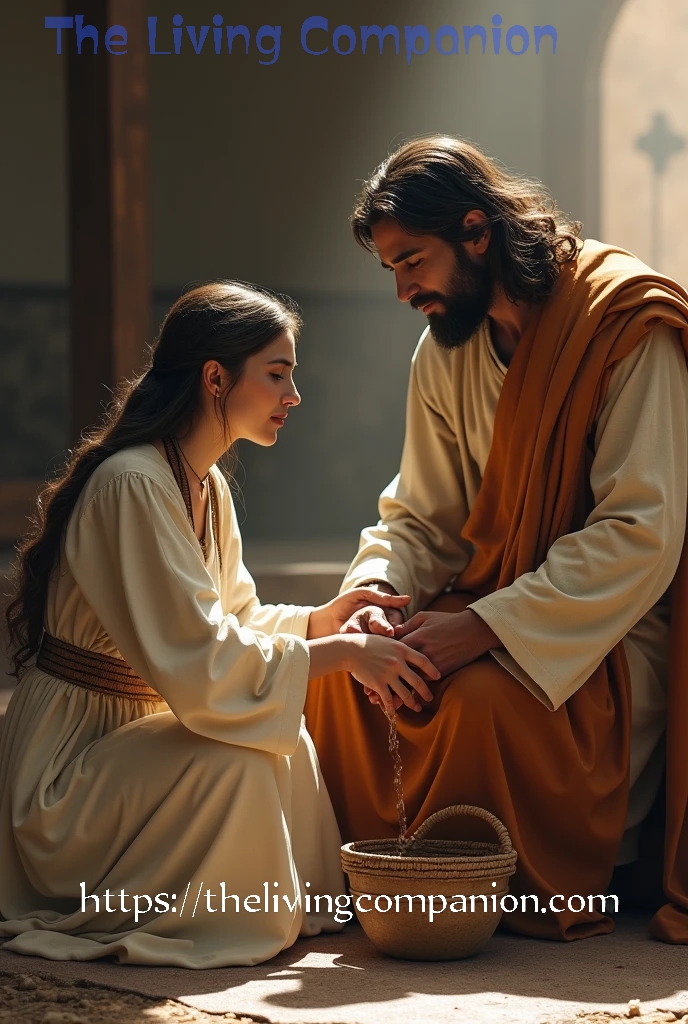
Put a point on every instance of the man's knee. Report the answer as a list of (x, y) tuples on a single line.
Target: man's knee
[(479, 687)]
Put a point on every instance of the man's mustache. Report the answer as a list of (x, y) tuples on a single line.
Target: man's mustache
[(421, 300)]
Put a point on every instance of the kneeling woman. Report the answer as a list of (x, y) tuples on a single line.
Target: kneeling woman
[(155, 773)]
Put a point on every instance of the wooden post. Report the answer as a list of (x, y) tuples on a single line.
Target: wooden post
[(109, 207)]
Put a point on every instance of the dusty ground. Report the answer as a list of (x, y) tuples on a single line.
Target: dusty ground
[(32, 999), (653, 1017), (35, 999), (342, 979)]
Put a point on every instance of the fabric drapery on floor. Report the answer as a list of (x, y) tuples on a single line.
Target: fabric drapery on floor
[(132, 800)]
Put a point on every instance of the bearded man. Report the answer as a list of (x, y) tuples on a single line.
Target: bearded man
[(538, 523)]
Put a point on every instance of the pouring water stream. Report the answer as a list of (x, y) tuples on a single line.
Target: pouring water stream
[(402, 842)]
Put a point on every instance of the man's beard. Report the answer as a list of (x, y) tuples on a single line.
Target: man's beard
[(466, 304)]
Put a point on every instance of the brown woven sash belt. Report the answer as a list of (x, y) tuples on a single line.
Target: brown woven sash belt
[(93, 671)]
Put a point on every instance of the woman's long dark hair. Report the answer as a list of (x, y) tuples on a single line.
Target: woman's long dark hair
[(226, 321), (430, 184)]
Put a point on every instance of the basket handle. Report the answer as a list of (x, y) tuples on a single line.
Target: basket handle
[(505, 844)]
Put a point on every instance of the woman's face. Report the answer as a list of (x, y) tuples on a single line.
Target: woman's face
[(257, 407)]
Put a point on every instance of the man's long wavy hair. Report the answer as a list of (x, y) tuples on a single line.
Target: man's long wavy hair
[(226, 321), (429, 185)]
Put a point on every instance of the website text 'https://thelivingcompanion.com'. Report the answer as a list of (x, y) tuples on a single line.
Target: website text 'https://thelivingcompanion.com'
[(272, 902)]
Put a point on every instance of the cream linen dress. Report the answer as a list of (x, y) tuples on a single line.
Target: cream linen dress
[(605, 583), (219, 786)]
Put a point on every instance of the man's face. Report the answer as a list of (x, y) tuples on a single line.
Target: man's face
[(452, 288)]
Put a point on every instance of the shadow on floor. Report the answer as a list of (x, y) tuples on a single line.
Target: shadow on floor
[(345, 970)]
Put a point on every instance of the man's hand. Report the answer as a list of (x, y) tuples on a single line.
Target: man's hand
[(362, 603), (372, 618), (449, 639)]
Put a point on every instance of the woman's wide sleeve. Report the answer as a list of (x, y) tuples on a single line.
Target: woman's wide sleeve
[(132, 552)]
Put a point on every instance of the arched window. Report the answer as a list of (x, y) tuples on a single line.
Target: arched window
[(644, 134)]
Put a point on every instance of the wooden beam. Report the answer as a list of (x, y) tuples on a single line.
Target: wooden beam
[(108, 145)]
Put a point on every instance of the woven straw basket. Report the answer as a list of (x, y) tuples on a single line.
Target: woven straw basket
[(431, 868)]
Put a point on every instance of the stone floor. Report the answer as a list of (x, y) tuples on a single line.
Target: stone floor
[(341, 979)]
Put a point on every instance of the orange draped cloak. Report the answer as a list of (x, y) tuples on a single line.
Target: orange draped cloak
[(557, 779)]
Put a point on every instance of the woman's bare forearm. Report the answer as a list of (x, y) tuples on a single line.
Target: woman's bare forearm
[(330, 654)]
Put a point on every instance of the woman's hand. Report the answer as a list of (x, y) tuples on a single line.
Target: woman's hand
[(389, 670), (330, 617)]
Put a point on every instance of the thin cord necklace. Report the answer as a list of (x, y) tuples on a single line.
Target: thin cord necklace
[(202, 481)]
